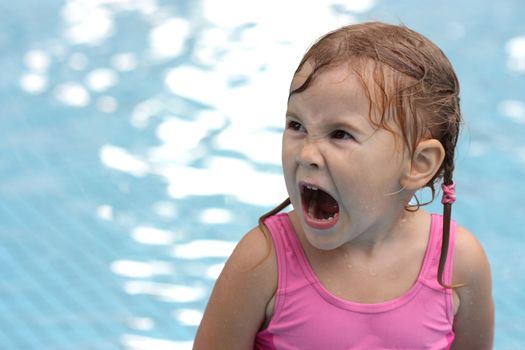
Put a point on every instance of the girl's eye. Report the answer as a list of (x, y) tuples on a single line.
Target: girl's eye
[(341, 135), (293, 125)]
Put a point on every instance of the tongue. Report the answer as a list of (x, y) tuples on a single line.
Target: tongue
[(325, 203)]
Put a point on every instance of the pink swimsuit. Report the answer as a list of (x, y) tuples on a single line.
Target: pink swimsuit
[(307, 316)]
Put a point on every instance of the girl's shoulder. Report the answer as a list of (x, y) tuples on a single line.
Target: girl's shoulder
[(470, 260), (474, 321), (237, 306), (254, 260)]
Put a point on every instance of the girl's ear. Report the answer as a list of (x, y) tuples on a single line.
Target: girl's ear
[(428, 156)]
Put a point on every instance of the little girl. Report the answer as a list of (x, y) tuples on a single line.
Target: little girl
[(373, 116)]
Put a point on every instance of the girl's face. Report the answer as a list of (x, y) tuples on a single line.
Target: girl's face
[(341, 172)]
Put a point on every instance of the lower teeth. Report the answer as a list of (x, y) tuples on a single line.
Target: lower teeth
[(311, 212)]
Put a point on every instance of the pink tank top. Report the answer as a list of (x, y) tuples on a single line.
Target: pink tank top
[(308, 316)]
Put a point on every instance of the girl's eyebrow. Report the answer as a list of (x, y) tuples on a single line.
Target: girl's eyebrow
[(291, 114), (352, 125)]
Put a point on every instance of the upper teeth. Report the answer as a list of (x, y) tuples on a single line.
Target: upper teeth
[(310, 187)]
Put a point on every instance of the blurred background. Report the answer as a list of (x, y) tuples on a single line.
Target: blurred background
[(140, 139)]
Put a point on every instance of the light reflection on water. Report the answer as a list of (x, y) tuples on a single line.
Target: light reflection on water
[(142, 139)]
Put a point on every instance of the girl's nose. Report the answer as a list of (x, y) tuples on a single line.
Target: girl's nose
[(310, 155)]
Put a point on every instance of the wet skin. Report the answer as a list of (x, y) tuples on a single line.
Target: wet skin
[(330, 142)]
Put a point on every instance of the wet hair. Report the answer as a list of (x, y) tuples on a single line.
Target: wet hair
[(408, 80)]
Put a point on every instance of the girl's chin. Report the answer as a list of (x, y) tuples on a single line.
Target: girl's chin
[(322, 242)]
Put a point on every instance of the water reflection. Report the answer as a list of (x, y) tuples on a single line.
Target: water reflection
[(166, 118)]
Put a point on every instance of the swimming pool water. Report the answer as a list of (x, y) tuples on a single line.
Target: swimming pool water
[(140, 141)]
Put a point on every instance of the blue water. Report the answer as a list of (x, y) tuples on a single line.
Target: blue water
[(140, 140)]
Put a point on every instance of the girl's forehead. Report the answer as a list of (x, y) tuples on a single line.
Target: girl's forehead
[(338, 88), (358, 73), (349, 85), (340, 75), (367, 70), (301, 75)]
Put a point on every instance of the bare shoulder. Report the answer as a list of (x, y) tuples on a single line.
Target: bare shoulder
[(470, 261), (474, 321), (254, 250), (237, 305), (254, 260)]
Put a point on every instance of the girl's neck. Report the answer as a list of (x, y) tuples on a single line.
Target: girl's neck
[(385, 234)]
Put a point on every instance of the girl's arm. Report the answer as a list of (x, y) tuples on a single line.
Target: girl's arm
[(237, 305), (474, 321)]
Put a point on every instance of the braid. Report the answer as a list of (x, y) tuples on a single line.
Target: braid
[(265, 231), (448, 169)]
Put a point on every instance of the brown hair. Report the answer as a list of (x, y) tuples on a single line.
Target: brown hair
[(414, 85)]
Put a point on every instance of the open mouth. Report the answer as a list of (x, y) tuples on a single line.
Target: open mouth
[(320, 208)]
